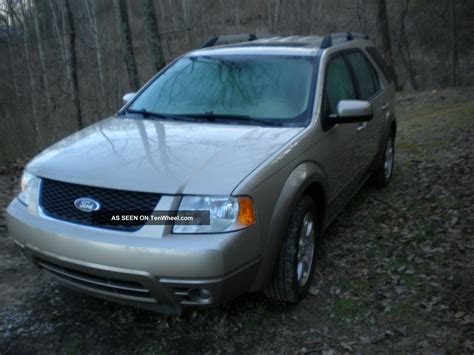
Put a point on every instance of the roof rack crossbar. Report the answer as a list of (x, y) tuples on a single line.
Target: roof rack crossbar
[(341, 37), (227, 39)]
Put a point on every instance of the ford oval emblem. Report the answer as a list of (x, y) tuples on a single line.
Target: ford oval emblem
[(86, 204)]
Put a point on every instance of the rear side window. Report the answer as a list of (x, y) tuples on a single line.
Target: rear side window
[(375, 55), (338, 86), (365, 75)]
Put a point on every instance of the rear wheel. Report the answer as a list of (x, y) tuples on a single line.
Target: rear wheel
[(295, 265), (383, 174)]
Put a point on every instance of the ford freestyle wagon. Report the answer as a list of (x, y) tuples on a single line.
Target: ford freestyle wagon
[(246, 148)]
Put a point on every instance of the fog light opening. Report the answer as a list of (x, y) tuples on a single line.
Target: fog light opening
[(204, 294), (201, 295)]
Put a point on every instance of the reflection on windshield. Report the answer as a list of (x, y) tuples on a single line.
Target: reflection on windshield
[(261, 87)]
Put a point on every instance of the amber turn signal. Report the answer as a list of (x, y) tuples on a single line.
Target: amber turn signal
[(246, 211)]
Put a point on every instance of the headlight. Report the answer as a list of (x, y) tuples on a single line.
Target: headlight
[(227, 213), (29, 183)]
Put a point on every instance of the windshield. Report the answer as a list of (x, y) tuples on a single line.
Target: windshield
[(273, 88)]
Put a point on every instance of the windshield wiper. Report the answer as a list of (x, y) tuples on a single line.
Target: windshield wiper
[(145, 113), (212, 117)]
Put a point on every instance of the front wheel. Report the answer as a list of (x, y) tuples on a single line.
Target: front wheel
[(295, 265), (383, 174)]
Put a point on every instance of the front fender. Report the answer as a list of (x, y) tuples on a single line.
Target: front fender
[(390, 124), (299, 181)]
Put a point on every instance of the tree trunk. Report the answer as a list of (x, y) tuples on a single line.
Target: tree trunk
[(44, 75), (92, 14), (237, 16), (153, 37), (162, 12), (59, 36), (384, 32), (71, 48), (223, 13), (268, 11), (172, 12), (276, 14), (186, 8), (34, 108), (454, 46), (126, 44), (404, 42), (361, 15), (10, 56)]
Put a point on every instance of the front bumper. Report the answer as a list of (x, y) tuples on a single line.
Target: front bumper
[(149, 268)]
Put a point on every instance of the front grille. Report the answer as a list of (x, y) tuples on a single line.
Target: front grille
[(114, 287), (57, 201)]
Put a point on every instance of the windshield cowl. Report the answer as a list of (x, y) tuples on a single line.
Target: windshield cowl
[(206, 117)]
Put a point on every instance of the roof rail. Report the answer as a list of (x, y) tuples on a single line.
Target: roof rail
[(341, 37), (229, 39), (328, 40)]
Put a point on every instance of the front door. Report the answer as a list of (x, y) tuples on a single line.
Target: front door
[(340, 159)]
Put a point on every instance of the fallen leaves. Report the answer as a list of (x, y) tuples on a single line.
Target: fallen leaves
[(469, 344)]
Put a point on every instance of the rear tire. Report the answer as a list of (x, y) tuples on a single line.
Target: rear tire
[(295, 265), (384, 172)]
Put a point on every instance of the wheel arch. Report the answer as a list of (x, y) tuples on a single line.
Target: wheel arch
[(393, 128), (316, 191), (306, 178), (390, 129)]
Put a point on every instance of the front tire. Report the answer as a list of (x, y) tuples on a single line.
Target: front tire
[(295, 265), (384, 172)]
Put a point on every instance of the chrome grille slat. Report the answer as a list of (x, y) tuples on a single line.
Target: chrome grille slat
[(181, 292)]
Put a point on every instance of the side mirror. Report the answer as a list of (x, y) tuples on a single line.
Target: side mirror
[(350, 111), (128, 96)]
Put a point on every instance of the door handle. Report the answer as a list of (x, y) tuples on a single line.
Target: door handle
[(361, 126), (385, 107)]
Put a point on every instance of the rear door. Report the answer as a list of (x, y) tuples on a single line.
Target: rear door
[(368, 88)]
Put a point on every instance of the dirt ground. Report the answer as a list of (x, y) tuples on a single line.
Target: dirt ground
[(395, 271)]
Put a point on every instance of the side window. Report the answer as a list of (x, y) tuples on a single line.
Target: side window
[(338, 85), (365, 75), (375, 55), (375, 76)]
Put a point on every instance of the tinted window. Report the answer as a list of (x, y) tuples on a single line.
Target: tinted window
[(264, 87), (375, 76), (338, 85), (375, 55), (365, 75)]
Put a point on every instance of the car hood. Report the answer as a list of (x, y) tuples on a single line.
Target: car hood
[(161, 156)]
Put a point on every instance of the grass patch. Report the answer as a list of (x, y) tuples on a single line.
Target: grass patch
[(402, 310), (455, 111), (152, 348), (75, 345), (348, 308), (409, 280), (359, 285), (424, 236)]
